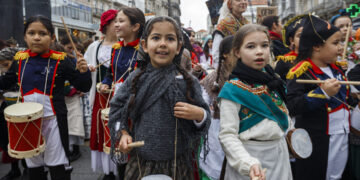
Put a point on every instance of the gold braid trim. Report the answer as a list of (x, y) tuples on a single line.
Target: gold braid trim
[(116, 46), (21, 55), (58, 56), (341, 63), (285, 58), (137, 46), (289, 22), (298, 69)]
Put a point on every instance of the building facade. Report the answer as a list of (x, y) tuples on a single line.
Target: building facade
[(322, 8)]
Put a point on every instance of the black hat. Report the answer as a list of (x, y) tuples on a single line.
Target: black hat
[(315, 31), (291, 27)]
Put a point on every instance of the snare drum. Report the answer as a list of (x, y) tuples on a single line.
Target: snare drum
[(24, 121), (11, 97), (107, 137), (103, 97), (157, 177), (299, 143)]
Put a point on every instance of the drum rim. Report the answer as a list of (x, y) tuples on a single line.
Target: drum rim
[(290, 146), (163, 175), (27, 154), (98, 89), (23, 117)]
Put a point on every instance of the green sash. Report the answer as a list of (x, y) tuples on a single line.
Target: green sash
[(261, 105)]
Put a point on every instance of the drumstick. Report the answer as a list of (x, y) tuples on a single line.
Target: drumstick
[(257, 178), (68, 34), (306, 81), (346, 42), (97, 66), (136, 144)]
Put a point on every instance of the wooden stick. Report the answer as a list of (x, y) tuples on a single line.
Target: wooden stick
[(136, 144), (97, 66), (346, 42), (69, 36), (257, 178), (306, 81)]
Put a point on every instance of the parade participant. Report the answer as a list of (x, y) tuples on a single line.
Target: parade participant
[(229, 23), (129, 25), (211, 86), (342, 21), (99, 53), (31, 70), (6, 59), (74, 107), (253, 115), (274, 27), (321, 109), (207, 47), (291, 37), (189, 39), (354, 137), (165, 107)]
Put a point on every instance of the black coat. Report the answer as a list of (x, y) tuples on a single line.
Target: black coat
[(308, 104), (65, 70)]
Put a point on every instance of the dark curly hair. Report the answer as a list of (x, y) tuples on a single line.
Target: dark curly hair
[(142, 63)]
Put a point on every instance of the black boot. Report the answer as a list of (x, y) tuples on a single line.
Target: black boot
[(25, 174), (59, 173), (109, 176), (75, 154), (13, 173), (121, 171), (37, 173)]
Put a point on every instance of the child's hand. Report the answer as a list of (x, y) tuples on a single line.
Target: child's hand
[(81, 64), (331, 86), (257, 173), (188, 111), (92, 68), (124, 141), (104, 88)]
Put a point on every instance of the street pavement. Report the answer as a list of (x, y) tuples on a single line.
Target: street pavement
[(81, 168)]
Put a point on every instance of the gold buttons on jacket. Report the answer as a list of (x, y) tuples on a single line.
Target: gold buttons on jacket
[(329, 109)]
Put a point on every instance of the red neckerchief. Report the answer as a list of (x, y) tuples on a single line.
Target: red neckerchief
[(274, 35), (130, 44), (317, 70), (291, 53), (44, 55)]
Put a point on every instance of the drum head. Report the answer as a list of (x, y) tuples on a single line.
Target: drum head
[(24, 112), (157, 177), (301, 143)]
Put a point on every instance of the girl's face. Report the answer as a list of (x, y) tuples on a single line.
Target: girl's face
[(192, 37), (238, 7), (123, 26), (162, 44), (210, 43), (255, 50), (38, 38), (342, 23), (294, 43), (329, 52)]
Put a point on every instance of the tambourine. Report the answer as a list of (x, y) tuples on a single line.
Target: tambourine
[(299, 143)]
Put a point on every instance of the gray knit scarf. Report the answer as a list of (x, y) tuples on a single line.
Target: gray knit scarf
[(152, 85)]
